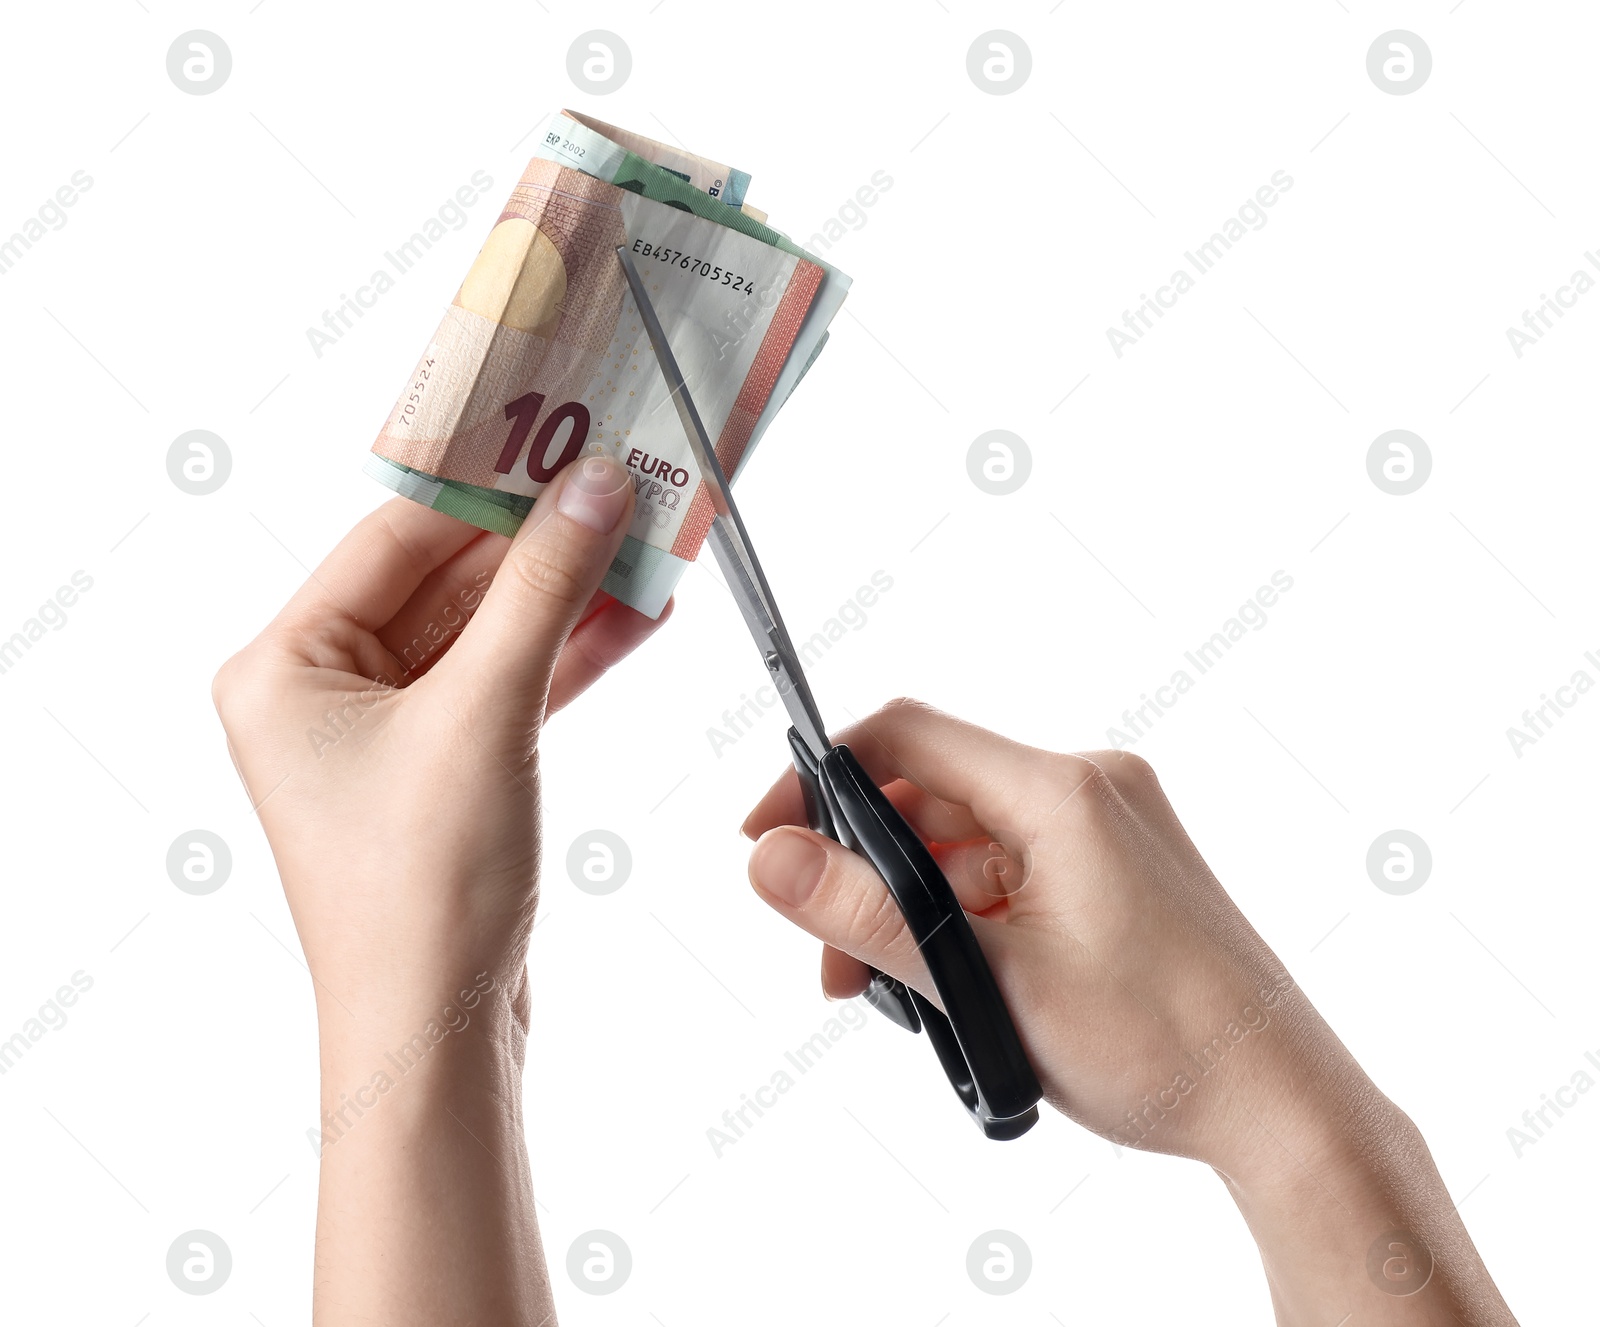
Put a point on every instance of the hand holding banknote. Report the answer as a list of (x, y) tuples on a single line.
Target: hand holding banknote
[(386, 726), (386, 723)]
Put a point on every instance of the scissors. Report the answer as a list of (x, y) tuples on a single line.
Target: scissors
[(976, 1041)]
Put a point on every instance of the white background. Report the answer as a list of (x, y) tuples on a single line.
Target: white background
[(1167, 485)]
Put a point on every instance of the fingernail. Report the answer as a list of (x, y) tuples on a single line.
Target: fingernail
[(788, 865), (596, 492)]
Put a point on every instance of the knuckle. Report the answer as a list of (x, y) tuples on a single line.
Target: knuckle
[(229, 685), (222, 682), (1125, 764), (904, 707), (1132, 774), (904, 715), (1077, 785), (875, 923), (1068, 772), (546, 577), (335, 642), (420, 560), (1136, 766)]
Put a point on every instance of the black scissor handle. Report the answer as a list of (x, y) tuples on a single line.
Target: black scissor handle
[(977, 1043)]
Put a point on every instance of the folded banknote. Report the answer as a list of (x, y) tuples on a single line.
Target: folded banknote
[(541, 356)]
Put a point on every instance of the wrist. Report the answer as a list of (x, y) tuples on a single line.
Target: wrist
[(422, 1148), (1312, 1125), (1352, 1217), (406, 1044)]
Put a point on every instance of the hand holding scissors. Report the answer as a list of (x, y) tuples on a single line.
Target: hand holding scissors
[(975, 1038)]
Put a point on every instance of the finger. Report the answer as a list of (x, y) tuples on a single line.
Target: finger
[(946, 758), (506, 656), (837, 896), (935, 820), (378, 566), (981, 870), (600, 641), (984, 873), (844, 976), (420, 633), (781, 804)]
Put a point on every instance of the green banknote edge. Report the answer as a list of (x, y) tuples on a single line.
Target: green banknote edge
[(640, 574)]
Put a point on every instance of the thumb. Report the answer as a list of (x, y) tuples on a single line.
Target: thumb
[(838, 897), (507, 654)]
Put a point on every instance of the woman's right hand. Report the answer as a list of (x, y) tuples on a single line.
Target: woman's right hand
[(1152, 1011)]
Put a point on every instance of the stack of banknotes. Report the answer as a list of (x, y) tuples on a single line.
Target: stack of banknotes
[(542, 358)]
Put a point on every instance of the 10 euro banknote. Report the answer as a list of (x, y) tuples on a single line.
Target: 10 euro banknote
[(541, 356)]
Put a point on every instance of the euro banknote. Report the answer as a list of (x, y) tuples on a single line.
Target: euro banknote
[(573, 140), (540, 357), (726, 184), (581, 143)]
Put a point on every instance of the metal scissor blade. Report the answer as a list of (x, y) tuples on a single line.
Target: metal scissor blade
[(729, 541)]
